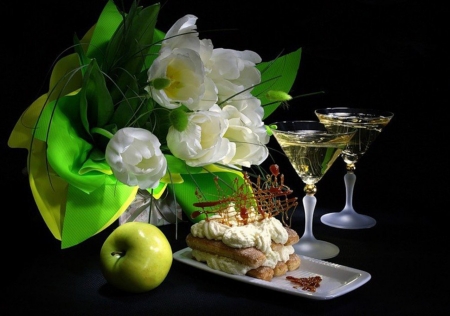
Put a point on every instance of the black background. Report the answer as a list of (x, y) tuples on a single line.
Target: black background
[(380, 54)]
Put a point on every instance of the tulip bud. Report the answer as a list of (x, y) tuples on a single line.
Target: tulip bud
[(178, 119), (269, 129), (278, 96)]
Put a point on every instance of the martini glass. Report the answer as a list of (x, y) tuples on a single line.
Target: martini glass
[(369, 124), (311, 149)]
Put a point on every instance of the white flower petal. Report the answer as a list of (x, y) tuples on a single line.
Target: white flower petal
[(135, 157)]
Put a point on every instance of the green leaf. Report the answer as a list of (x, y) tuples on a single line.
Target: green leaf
[(176, 165), (106, 25), (133, 110), (278, 74), (84, 60), (158, 37), (129, 46), (96, 105), (159, 123)]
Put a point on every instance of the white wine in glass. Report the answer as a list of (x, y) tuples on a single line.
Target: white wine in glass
[(312, 150), (368, 123)]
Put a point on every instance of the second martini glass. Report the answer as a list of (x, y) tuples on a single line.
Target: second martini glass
[(311, 149), (368, 124)]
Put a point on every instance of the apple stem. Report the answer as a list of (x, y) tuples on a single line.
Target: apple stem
[(120, 253)]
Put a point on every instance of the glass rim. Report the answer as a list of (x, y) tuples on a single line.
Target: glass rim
[(384, 113), (323, 130), (291, 121)]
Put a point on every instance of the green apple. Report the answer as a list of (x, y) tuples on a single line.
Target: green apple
[(136, 257)]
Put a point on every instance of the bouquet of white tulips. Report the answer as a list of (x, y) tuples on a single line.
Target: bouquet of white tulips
[(134, 108)]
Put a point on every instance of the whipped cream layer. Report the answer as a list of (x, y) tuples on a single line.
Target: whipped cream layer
[(224, 264)]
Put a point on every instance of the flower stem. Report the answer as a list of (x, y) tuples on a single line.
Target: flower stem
[(101, 131)]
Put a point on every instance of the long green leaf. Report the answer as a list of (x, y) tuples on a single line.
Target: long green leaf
[(96, 105), (128, 48), (106, 25), (279, 75)]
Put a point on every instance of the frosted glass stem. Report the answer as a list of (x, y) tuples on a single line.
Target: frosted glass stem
[(348, 218), (309, 204), (349, 179)]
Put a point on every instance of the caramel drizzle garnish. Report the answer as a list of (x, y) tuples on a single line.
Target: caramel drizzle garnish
[(252, 200)]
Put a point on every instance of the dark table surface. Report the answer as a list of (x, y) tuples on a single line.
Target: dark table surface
[(407, 276)]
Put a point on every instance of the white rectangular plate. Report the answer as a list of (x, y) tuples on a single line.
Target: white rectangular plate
[(336, 279)]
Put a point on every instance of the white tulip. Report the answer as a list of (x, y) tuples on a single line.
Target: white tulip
[(250, 140), (229, 64), (233, 71), (251, 114), (182, 34), (187, 83), (135, 157), (202, 142), (249, 149)]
